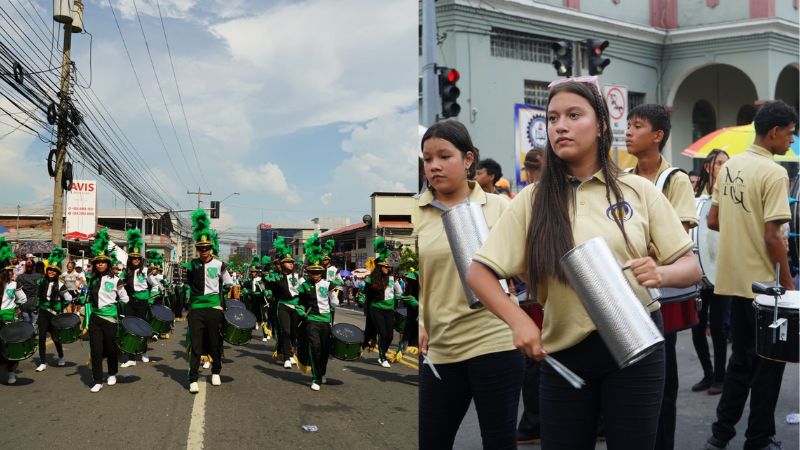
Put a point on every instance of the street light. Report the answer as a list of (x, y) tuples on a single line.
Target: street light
[(229, 196), (215, 206)]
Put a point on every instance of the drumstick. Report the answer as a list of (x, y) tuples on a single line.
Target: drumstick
[(570, 376), (426, 360)]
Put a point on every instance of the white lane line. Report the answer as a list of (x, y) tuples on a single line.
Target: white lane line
[(198, 423)]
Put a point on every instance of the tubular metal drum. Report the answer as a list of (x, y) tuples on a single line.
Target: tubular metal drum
[(466, 229), (778, 340)]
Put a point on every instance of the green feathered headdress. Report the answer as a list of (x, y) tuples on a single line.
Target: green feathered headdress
[(412, 274), (155, 258), (327, 248), (381, 251), (254, 263), (135, 242), (282, 251), (265, 262), (201, 228), (214, 242), (313, 253), (6, 255), (57, 255), (100, 246)]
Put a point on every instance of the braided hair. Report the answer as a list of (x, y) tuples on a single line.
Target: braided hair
[(706, 175), (549, 234)]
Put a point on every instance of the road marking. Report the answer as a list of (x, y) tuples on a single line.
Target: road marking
[(197, 425)]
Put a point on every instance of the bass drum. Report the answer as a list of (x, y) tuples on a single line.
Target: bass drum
[(706, 242)]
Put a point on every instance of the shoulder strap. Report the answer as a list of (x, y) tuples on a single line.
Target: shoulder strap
[(628, 170), (663, 180)]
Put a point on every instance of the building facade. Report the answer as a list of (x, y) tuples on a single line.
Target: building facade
[(711, 63)]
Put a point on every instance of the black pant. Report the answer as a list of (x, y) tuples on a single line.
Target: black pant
[(102, 344), (205, 335), (179, 298), (714, 309), (493, 380), (319, 339), (665, 438), (384, 324), (411, 331), (747, 373), (45, 323), (629, 399), (370, 332), (137, 308), (287, 322), (529, 422)]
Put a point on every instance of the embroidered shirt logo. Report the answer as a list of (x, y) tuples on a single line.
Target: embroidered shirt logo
[(140, 277), (108, 286), (621, 210), (212, 272), (323, 291), (10, 293)]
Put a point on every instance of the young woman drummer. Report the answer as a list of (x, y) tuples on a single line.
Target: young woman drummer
[(104, 292), (471, 349), (583, 195), (137, 285), (53, 297), (11, 297), (381, 291)]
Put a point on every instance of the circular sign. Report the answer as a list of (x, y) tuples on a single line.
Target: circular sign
[(537, 132), (616, 103)]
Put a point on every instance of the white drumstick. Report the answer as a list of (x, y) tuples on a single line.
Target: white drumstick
[(426, 360), (571, 377)]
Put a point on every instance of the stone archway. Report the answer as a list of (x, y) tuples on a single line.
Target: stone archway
[(786, 88), (708, 98)]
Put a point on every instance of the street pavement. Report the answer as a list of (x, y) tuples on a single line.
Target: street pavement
[(259, 405), (696, 410)]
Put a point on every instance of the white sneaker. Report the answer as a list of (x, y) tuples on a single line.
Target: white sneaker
[(385, 363), (194, 388), (206, 365), (287, 364), (112, 380), (264, 339), (96, 388), (61, 362), (292, 360), (314, 387), (145, 358), (215, 380), (41, 367), (324, 380), (128, 363), (12, 378)]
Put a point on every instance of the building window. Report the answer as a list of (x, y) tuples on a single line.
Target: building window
[(524, 46), (361, 243), (536, 93), (635, 99)]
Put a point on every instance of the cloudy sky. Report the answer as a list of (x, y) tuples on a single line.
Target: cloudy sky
[(303, 107)]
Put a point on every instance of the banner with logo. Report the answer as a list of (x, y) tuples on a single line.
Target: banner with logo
[(530, 131), (81, 211)]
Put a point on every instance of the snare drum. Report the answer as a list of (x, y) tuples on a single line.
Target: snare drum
[(230, 303), (706, 241), (161, 319), (781, 341), (400, 315), (346, 341), (238, 326), (66, 328), (133, 336), (679, 308), (17, 341)]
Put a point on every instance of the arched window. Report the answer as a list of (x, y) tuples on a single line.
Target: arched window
[(745, 114), (704, 119)]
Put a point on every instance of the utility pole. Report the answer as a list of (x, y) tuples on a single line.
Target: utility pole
[(16, 231), (198, 194), (61, 146), (430, 85)]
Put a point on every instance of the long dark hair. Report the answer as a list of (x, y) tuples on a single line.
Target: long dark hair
[(705, 175), (549, 231), (378, 280), (455, 133), (5, 277), (43, 287)]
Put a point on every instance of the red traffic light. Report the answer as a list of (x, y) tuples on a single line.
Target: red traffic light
[(453, 75)]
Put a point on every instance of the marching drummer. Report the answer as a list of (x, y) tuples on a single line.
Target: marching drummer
[(316, 306), (53, 297), (647, 133), (285, 290), (206, 277), (582, 195), (11, 297), (381, 291), (104, 292), (749, 205), (137, 285)]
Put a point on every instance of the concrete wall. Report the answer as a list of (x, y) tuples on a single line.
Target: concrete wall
[(785, 9), (637, 11), (696, 12)]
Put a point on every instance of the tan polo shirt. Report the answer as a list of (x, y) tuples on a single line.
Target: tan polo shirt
[(650, 221), (751, 190), (455, 332), (679, 192)]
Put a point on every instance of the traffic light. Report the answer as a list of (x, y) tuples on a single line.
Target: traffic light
[(563, 61), (449, 92), (214, 209), (597, 62)]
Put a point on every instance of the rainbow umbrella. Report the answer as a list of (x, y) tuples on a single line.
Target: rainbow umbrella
[(734, 140)]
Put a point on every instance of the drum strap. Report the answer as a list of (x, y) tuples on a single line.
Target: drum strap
[(663, 180)]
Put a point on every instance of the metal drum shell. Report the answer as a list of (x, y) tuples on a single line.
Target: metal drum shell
[(788, 308), (346, 341), (679, 308), (66, 328), (21, 346), (237, 328), (466, 229)]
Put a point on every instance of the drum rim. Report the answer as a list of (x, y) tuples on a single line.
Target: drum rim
[(136, 320), (18, 325), (72, 316), (240, 310), (347, 325)]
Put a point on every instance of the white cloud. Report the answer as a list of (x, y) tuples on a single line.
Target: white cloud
[(267, 178), (326, 198)]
